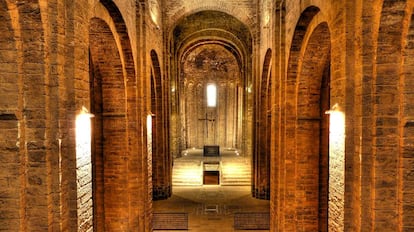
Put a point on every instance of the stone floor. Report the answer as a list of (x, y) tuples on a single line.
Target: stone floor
[(211, 207)]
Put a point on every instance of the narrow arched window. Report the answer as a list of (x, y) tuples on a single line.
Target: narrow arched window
[(211, 95)]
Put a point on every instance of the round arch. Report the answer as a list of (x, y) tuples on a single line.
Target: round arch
[(312, 148), (392, 109), (161, 160), (261, 153), (108, 104), (186, 36), (306, 124), (112, 37)]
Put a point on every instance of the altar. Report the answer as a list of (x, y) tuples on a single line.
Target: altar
[(211, 150)]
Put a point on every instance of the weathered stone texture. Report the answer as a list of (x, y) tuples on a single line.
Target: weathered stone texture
[(113, 59)]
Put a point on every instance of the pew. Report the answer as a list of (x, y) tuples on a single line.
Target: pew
[(251, 221), (170, 221)]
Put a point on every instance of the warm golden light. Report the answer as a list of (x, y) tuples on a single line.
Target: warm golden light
[(336, 128), (192, 173), (154, 10), (232, 168), (149, 133), (149, 123), (249, 89), (83, 134), (337, 125), (336, 164)]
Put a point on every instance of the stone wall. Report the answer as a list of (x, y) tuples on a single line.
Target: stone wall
[(244, 10), (45, 82), (360, 51), (187, 22), (203, 125), (368, 49)]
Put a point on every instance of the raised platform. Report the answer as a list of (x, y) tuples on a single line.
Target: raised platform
[(233, 168)]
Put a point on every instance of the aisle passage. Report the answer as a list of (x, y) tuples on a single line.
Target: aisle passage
[(211, 207)]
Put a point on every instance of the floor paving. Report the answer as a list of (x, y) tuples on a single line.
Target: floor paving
[(211, 208)]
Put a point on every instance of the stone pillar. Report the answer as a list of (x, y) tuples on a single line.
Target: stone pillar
[(261, 157), (161, 166)]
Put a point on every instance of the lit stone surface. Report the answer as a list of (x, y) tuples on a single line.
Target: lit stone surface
[(279, 66)]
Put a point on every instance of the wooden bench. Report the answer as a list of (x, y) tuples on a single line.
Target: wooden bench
[(251, 221), (170, 221)]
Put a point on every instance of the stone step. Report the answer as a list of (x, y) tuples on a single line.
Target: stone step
[(236, 183), (187, 172), (235, 171)]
